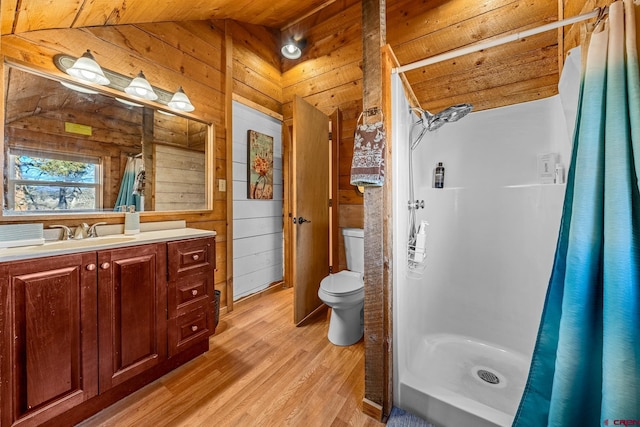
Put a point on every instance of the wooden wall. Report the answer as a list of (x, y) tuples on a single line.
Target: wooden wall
[(329, 77), (504, 75), (179, 178)]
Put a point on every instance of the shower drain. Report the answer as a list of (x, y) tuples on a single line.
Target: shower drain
[(488, 376)]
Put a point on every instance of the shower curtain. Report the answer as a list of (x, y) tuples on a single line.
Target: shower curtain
[(585, 368), (131, 185)]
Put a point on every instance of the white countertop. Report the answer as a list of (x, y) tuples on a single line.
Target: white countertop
[(63, 247)]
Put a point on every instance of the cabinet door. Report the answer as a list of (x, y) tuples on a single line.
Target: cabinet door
[(132, 312), (49, 336)]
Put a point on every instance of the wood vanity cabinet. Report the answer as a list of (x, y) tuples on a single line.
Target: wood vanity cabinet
[(80, 331)]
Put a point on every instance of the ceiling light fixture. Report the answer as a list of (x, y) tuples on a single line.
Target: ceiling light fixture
[(180, 101), (87, 69), (141, 88), (292, 49)]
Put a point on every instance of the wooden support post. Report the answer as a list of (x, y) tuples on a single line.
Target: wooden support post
[(228, 123), (147, 146), (376, 280)]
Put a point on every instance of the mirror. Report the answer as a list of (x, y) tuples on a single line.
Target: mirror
[(70, 150)]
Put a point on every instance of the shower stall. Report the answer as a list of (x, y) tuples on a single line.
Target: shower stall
[(465, 325)]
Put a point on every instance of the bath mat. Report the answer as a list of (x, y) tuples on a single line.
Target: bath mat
[(401, 418)]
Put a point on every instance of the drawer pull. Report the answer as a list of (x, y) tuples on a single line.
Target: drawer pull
[(105, 265), (195, 257), (194, 292), (91, 267), (194, 328)]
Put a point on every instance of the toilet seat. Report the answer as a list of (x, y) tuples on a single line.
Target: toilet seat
[(343, 283)]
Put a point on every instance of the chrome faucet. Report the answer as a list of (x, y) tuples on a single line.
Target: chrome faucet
[(67, 234), (81, 231), (93, 232)]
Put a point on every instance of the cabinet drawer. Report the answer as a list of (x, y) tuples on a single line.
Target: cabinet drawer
[(189, 329), (189, 291), (193, 288), (190, 256)]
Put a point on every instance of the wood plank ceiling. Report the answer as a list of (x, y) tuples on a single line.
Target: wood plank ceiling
[(20, 16)]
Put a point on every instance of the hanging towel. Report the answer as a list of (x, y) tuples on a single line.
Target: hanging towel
[(367, 167)]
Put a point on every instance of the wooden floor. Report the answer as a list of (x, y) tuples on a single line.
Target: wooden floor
[(260, 371)]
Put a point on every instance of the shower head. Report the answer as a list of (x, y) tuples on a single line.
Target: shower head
[(450, 114), (430, 122)]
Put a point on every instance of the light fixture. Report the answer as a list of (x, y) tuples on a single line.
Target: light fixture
[(293, 48), (141, 88), (87, 69), (180, 101)]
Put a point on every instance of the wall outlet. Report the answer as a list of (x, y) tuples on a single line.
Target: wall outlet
[(222, 185)]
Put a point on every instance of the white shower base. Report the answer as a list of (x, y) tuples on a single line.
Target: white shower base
[(443, 387)]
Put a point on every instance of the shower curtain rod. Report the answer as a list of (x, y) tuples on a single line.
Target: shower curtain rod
[(598, 12)]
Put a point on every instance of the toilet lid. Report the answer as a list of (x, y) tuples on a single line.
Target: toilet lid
[(343, 282)]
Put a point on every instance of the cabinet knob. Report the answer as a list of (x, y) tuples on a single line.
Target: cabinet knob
[(194, 328), (91, 267), (195, 257), (194, 292), (105, 265)]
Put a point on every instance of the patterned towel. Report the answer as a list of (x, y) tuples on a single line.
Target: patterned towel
[(367, 167)]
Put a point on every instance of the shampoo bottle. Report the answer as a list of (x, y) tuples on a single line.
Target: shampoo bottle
[(438, 176)]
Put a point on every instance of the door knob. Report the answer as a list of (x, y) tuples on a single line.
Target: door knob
[(301, 220)]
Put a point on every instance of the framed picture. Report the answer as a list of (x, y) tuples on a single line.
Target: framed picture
[(260, 165)]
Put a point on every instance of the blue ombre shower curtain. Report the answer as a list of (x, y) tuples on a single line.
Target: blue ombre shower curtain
[(127, 195), (585, 368)]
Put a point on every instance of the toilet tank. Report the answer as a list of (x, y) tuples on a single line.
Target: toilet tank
[(354, 248)]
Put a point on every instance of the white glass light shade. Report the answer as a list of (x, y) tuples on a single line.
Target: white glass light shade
[(291, 51), (127, 102), (87, 69), (141, 88), (78, 88), (180, 101)]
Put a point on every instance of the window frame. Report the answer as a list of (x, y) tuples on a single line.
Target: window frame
[(11, 182)]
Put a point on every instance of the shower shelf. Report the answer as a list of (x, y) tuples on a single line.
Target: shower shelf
[(416, 261)]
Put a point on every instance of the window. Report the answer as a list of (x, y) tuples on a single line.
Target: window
[(49, 182)]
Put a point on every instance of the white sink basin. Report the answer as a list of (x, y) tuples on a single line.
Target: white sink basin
[(84, 243)]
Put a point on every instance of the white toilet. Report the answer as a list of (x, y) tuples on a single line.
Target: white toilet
[(344, 292)]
